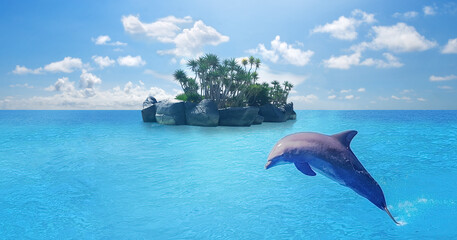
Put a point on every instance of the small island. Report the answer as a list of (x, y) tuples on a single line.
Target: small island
[(222, 93)]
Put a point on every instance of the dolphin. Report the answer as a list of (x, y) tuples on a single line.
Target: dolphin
[(330, 156)]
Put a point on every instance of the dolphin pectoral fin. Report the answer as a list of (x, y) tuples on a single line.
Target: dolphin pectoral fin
[(305, 168)]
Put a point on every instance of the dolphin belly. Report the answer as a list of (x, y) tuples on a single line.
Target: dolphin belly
[(329, 170)]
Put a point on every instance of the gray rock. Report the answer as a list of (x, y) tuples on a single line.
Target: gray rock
[(237, 116), (258, 120), (170, 113), (149, 114), (149, 102), (204, 113), (292, 116), (290, 113), (272, 113)]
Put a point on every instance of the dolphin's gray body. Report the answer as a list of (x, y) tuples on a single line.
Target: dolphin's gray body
[(330, 156)]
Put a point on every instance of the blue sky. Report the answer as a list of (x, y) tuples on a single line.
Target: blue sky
[(339, 55)]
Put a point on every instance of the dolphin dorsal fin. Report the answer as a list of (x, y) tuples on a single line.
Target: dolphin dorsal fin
[(346, 137)]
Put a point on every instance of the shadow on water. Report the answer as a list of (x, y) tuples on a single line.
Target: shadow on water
[(212, 131)]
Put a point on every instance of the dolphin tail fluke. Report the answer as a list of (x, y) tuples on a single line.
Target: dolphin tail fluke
[(390, 215)]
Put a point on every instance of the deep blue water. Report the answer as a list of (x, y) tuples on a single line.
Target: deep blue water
[(108, 175)]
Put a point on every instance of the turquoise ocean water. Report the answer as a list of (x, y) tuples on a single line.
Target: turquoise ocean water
[(108, 175)]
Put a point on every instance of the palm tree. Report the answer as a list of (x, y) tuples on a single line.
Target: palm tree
[(229, 82), (193, 65), (212, 60), (255, 76), (276, 92), (257, 64), (244, 62), (287, 87), (181, 77), (251, 62), (202, 71)]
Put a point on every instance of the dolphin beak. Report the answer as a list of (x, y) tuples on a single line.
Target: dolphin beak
[(390, 215), (268, 165)]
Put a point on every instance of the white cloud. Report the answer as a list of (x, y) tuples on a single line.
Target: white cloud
[(345, 28), (349, 97), (345, 90), (392, 62), (128, 96), (163, 30), (25, 85), (183, 61), (106, 40), (173, 19), (397, 38), (451, 46), (361, 90), (284, 51), (429, 10), (445, 87), (407, 15), (343, 61), (62, 85), (434, 78), (346, 61), (88, 80), (67, 65), (310, 98), (405, 91), (270, 55), (103, 62), (130, 61), (401, 98), (421, 99), (168, 77), (23, 70), (101, 40), (268, 75), (331, 97), (189, 42)]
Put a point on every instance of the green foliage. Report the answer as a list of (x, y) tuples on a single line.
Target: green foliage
[(228, 83), (191, 97), (258, 94), (194, 97), (182, 97), (278, 94), (188, 85)]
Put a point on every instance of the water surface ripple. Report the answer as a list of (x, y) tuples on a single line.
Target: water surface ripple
[(107, 175)]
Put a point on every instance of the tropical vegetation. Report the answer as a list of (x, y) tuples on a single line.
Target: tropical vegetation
[(229, 83)]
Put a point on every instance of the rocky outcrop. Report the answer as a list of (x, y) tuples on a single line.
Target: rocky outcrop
[(149, 109), (258, 120), (270, 113), (149, 114), (204, 113), (238, 116), (150, 101), (170, 113), (292, 116), (290, 113)]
